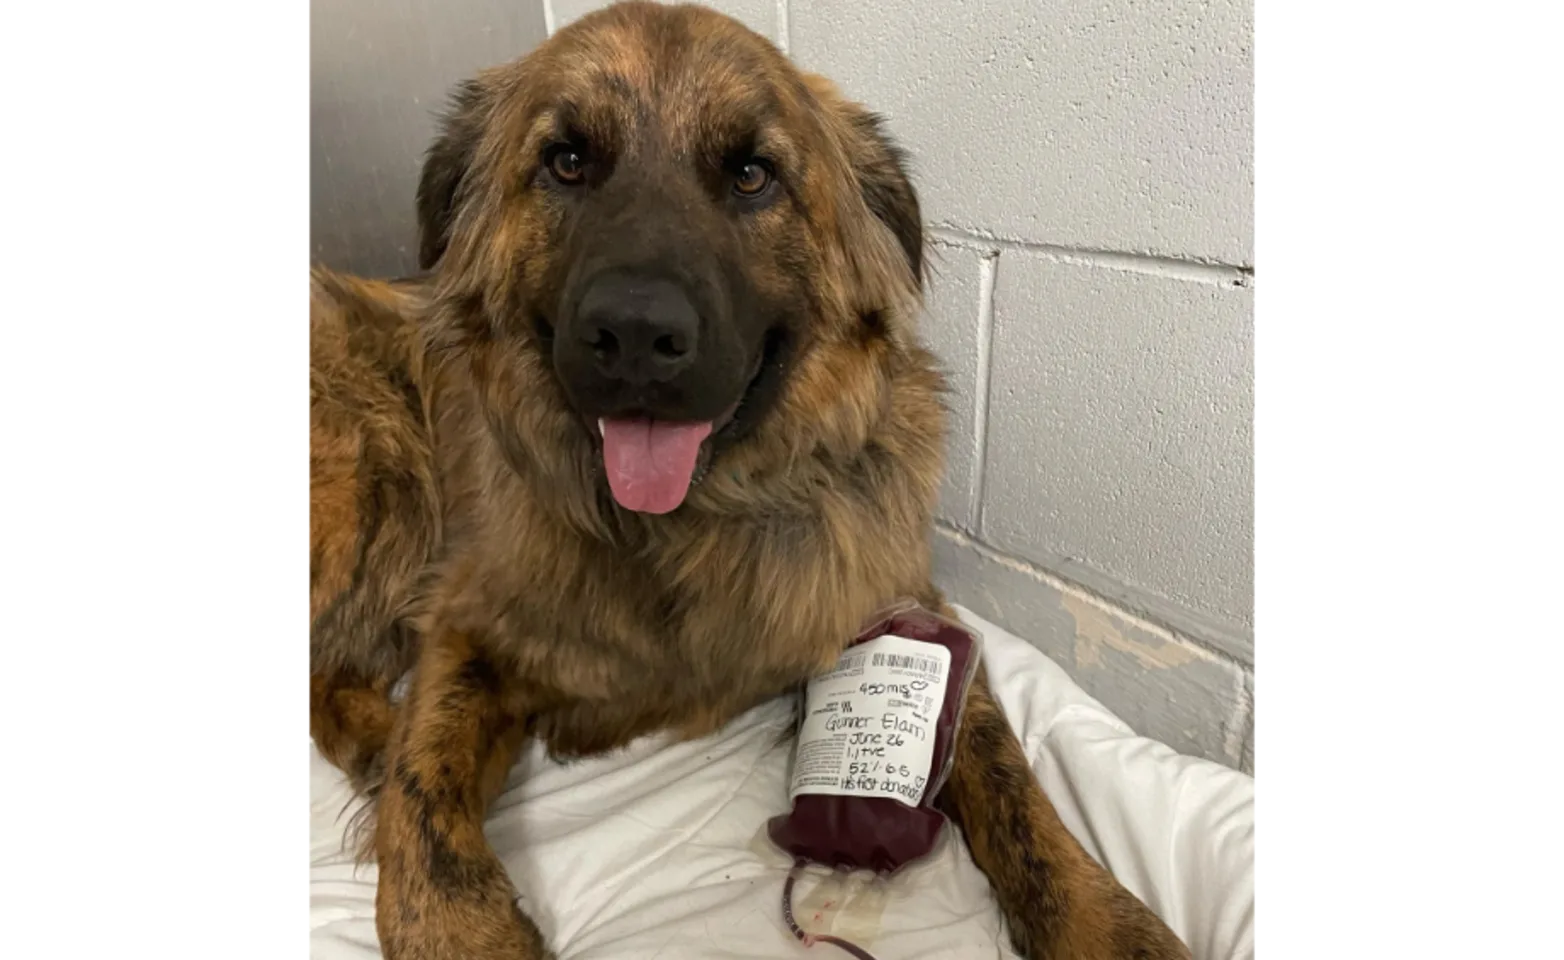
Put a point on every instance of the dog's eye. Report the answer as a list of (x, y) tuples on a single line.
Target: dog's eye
[(753, 178), (567, 165)]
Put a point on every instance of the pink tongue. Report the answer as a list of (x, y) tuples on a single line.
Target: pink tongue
[(650, 462)]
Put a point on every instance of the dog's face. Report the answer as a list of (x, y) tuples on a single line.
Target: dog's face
[(658, 213)]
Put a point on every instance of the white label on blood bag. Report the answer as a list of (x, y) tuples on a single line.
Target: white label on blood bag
[(869, 724)]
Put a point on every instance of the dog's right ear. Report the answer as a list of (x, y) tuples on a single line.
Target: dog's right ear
[(445, 170)]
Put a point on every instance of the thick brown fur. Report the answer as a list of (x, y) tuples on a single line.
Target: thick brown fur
[(461, 528)]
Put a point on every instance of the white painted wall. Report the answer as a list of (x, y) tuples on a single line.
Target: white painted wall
[(1086, 173), (380, 72)]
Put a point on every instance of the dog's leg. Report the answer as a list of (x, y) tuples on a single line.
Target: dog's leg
[(443, 893), (350, 722), (1059, 903)]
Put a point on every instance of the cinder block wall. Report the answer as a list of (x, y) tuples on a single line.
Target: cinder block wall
[(1086, 173)]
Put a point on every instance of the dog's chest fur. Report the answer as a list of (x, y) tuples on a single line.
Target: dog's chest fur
[(673, 624)]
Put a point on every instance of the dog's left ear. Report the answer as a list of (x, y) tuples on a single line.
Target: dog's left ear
[(881, 243), (881, 169)]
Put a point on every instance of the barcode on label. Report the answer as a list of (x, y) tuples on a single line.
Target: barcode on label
[(850, 663), (926, 665)]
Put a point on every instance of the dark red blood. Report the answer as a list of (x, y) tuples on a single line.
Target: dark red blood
[(878, 833)]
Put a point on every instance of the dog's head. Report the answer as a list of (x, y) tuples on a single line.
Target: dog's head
[(660, 247)]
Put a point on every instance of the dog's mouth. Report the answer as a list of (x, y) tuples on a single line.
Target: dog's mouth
[(651, 462)]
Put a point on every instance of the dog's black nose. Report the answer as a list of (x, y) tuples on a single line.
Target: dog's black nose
[(639, 330)]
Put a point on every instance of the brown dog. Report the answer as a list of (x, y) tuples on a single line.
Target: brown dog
[(647, 446)]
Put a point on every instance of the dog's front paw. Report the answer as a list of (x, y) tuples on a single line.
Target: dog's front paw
[(1134, 932), (419, 918), (1098, 921), (1139, 934)]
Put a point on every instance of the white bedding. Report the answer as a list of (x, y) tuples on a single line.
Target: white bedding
[(660, 850)]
